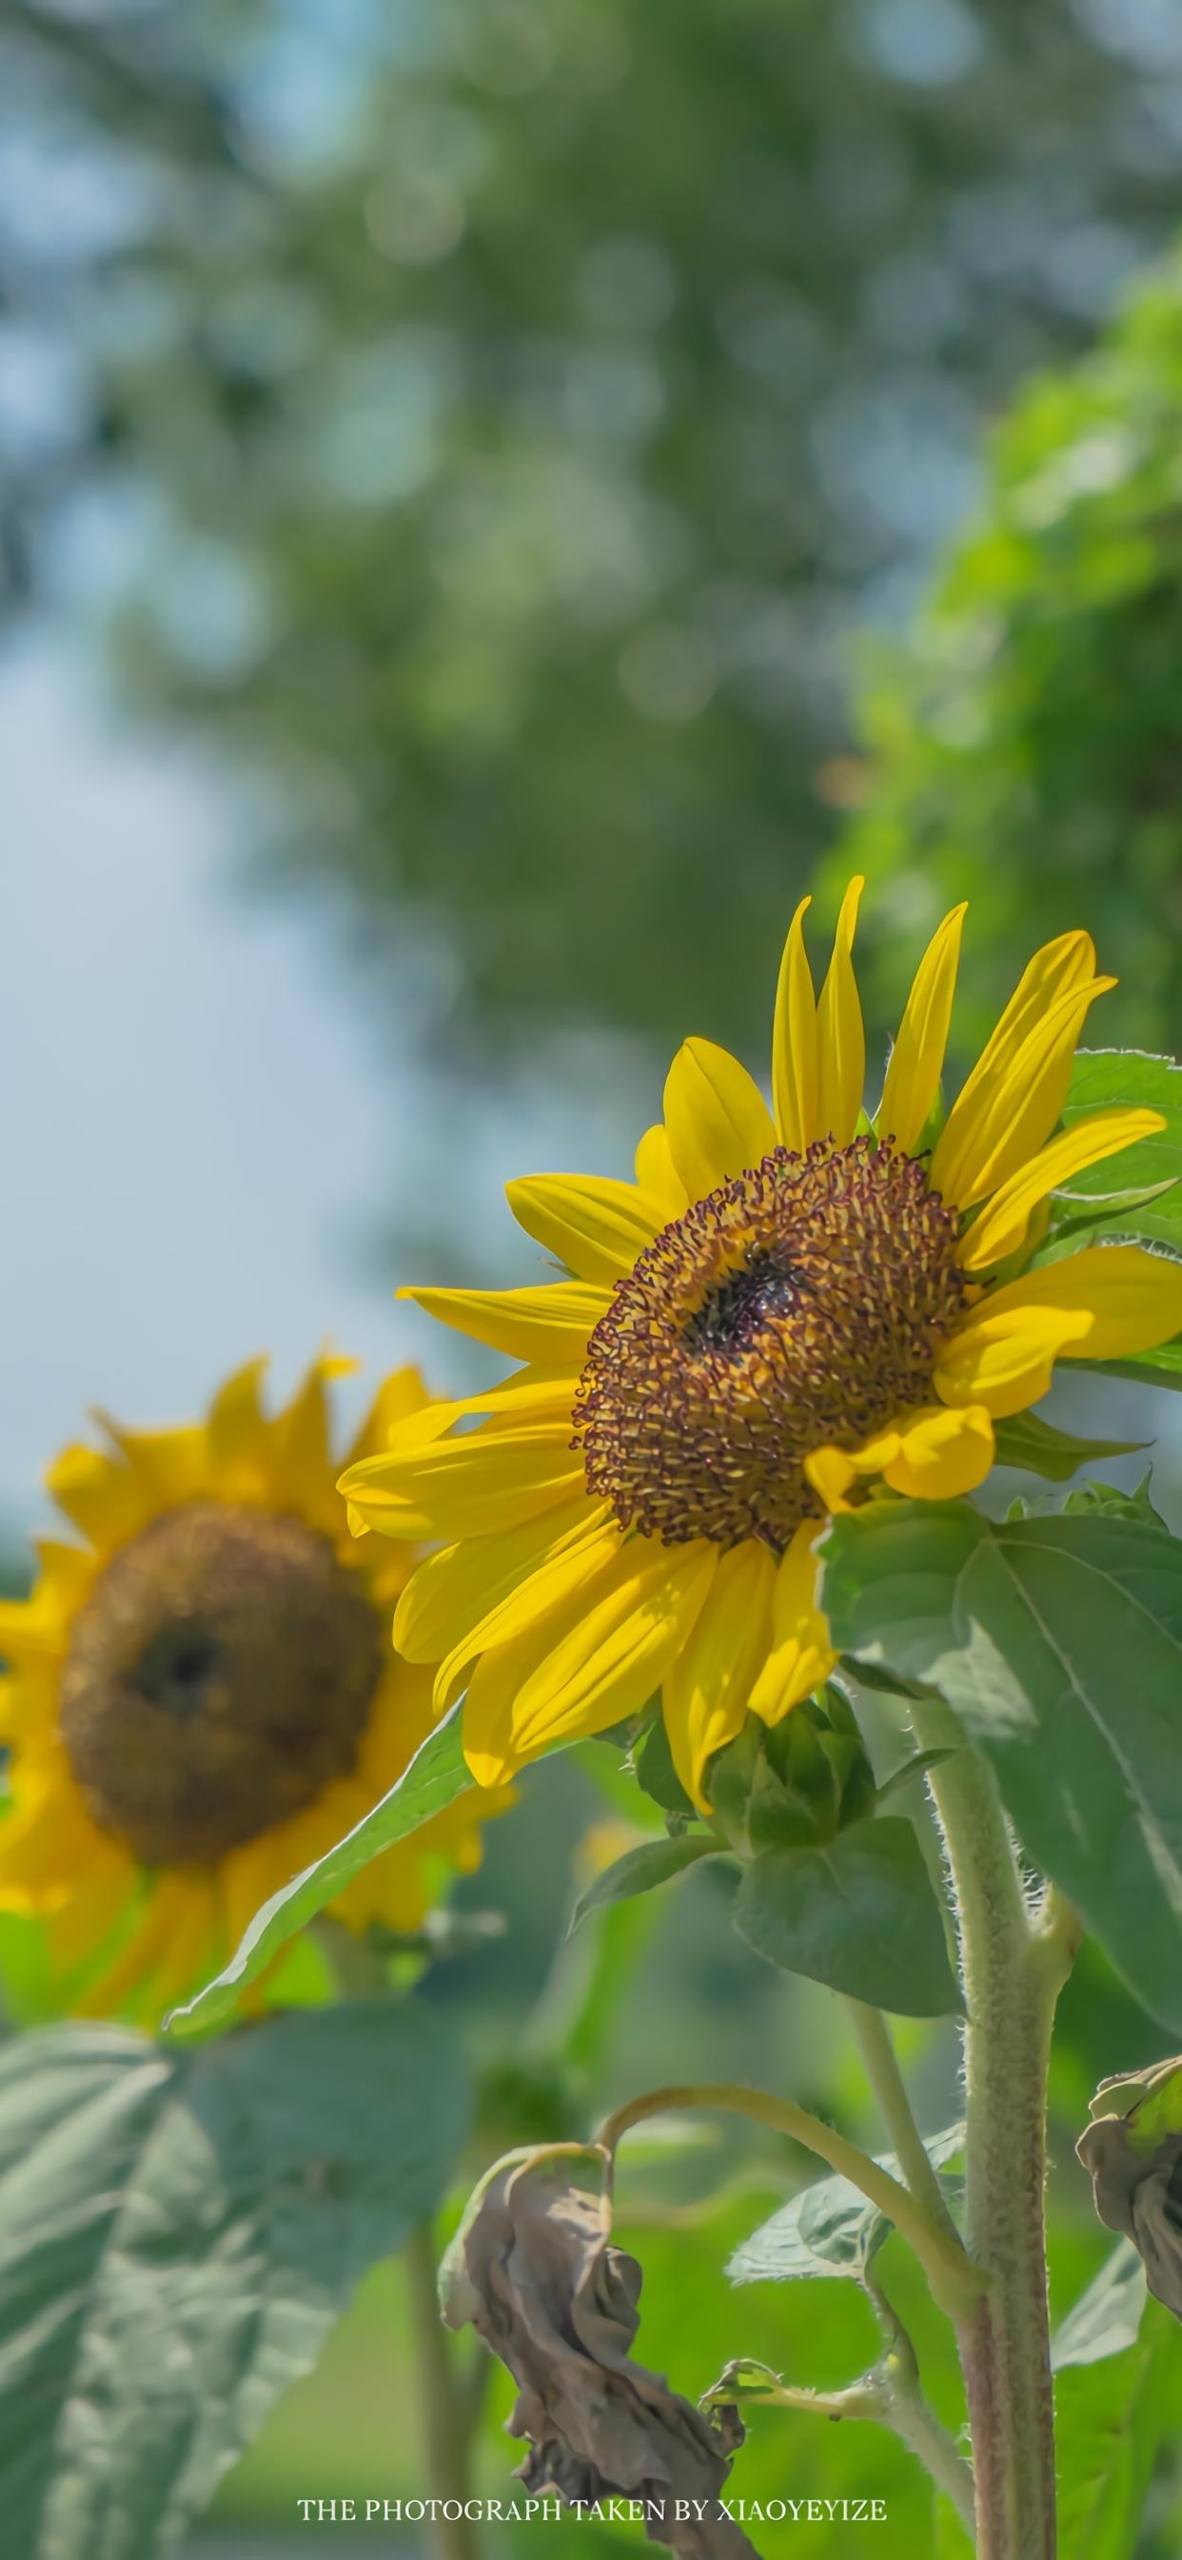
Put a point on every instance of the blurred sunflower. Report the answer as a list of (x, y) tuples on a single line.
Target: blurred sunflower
[(784, 1306), (203, 1698)]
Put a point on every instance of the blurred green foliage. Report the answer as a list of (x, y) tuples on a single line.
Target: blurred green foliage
[(495, 417), (1026, 746)]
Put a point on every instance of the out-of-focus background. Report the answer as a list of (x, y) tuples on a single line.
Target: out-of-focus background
[(498, 496)]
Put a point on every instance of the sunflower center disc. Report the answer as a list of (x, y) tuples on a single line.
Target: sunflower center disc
[(800, 1304), (219, 1676)]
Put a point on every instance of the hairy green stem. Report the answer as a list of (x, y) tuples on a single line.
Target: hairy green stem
[(954, 2284), (886, 2080), (446, 2417), (1011, 1973)]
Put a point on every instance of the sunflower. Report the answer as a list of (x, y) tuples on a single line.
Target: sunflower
[(786, 1308), (203, 1698)]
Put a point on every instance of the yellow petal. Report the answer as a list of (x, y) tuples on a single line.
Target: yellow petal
[(801, 1656), (603, 1667), (716, 1117), (1004, 1358), (465, 1488), (1105, 1303), (655, 1174), (1003, 1224), (550, 1324), (303, 1468), (235, 1430), (795, 1061), (933, 1453), (452, 1589), (707, 1690), (399, 1396), (841, 1041), (595, 1226), (572, 1566), (1017, 1089), (98, 1493), (917, 1059)]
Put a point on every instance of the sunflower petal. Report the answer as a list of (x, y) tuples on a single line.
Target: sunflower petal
[(795, 1048), (1107, 1302), (597, 1227), (933, 1453), (801, 1655), (399, 1396), (841, 1040), (604, 1665), (916, 1062), (549, 1324), (573, 1564), (716, 1117), (1017, 1089), (465, 1488), (655, 1173), (1004, 1223), (453, 1588), (707, 1689), (715, 1114)]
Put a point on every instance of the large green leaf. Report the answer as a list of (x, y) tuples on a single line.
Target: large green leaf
[(1118, 2375), (1058, 1642), (1122, 1079), (829, 2229), (859, 1914), (180, 2231), (436, 1776)]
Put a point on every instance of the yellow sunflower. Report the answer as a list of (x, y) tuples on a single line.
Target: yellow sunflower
[(203, 1697), (784, 1305)]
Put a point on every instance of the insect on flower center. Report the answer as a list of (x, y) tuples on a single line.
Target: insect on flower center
[(220, 1675), (800, 1304)]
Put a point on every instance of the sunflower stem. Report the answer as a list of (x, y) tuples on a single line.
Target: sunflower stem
[(445, 2402), (890, 2091), (1012, 1969), (954, 2283)]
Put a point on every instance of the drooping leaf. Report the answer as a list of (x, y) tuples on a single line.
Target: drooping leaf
[(859, 1914), (640, 1870), (829, 2229), (435, 1777), (1058, 1643), (1026, 1441), (180, 2231), (652, 1762)]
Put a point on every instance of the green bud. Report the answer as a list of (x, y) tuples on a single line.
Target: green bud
[(794, 1784)]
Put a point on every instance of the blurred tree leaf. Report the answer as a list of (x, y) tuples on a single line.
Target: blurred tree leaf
[(181, 2231), (1024, 749), (508, 486)]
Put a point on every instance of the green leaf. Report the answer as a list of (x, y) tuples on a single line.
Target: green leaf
[(829, 2229), (652, 1763), (181, 2230), (1147, 1202), (1107, 2318), (1058, 1643), (1026, 1441), (435, 1777), (1136, 1505), (1115, 2414), (859, 1914), (640, 1870)]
